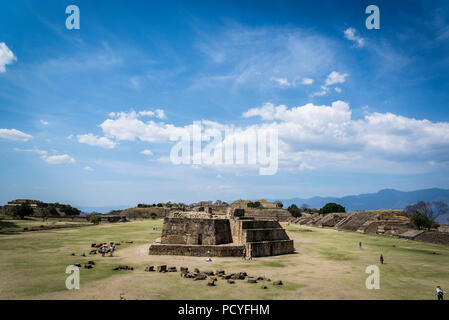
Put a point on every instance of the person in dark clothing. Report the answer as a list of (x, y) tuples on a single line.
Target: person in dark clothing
[(244, 254), (360, 244), (381, 259)]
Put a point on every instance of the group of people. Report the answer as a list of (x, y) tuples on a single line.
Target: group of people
[(107, 248)]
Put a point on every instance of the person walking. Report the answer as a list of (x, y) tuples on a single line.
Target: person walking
[(360, 245), (250, 254), (244, 254), (103, 249), (381, 259), (440, 293)]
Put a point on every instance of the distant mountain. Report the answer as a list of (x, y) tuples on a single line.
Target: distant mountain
[(384, 199), (104, 209)]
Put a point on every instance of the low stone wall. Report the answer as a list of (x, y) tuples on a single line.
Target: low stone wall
[(271, 248), (197, 250), (258, 235)]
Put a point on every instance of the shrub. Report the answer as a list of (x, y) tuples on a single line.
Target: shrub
[(21, 211), (332, 207), (95, 219), (420, 221), (294, 210), (153, 215)]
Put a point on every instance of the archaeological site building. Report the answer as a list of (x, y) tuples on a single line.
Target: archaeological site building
[(204, 234)]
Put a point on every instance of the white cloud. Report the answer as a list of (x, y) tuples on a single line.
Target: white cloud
[(160, 114), (334, 77), (14, 135), (147, 152), (87, 168), (350, 34), (306, 81), (318, 137), (337, 89), (34, 150), (6, 57), (95, 141), (45, 123), (58, 159), (282, 82)]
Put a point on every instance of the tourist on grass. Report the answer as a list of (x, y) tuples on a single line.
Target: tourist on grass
[(112, 249), (381, 259), (250, 254), (360, 244), (440, 293), (244, 254), (103, 249)]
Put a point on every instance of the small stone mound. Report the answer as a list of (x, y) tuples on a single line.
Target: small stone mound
[(172, 269), (278, 283), (162, 268), (149, 268), (123, 268)]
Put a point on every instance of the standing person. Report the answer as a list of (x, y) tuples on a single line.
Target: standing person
[(381, 259), (244, 254), (360, 244), (251, 254), (440, 293), (103, 250), (112, 249)]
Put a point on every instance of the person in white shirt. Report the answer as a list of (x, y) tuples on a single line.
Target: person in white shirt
[(440, 293)]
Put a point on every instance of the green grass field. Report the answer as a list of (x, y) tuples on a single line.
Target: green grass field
[(328, 264)]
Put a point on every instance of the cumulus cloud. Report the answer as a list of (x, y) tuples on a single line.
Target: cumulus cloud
[(87, 168), (316, 137), (96, 141), (45, 123), (14, 135), (351, 34), (58, 159), (6, 57), (335, 77)]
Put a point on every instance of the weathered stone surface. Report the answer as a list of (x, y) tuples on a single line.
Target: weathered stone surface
[(149, 268), (209, 273), (220, 272), (172, 269), (211, 283), (196, 270), (231, 281), (161, 268), (278, 283), (252, 280), (264, 287), (201, 276), (184, 269), (202, 234)]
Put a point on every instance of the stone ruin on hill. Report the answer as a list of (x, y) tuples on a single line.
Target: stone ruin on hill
[(204, 234)]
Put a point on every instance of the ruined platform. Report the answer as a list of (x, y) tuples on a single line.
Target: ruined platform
[(203, 234)]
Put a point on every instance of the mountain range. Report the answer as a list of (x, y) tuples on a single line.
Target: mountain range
[(384, 199)]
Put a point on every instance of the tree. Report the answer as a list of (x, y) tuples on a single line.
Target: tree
[(160, 205), (21, 211), (95, 219), (332, 207), (430, 210), (153, 215), (294, 210), (420, 221), (253, 204), (45, 214)]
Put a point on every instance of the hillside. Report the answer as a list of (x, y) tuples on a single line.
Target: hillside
[(384, 199)]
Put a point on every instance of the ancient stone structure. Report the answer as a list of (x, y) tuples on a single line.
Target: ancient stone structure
[(204, 234)]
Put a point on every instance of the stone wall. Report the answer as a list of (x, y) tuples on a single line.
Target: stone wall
[(196, 250), (270, 248), (196, 231)]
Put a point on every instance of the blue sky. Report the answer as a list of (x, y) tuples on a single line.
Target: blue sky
[(357, 110)]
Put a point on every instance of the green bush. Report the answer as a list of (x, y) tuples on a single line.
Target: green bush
[(332, 207), (21, 211), (294, 210), (420, 221), (95, 219)]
